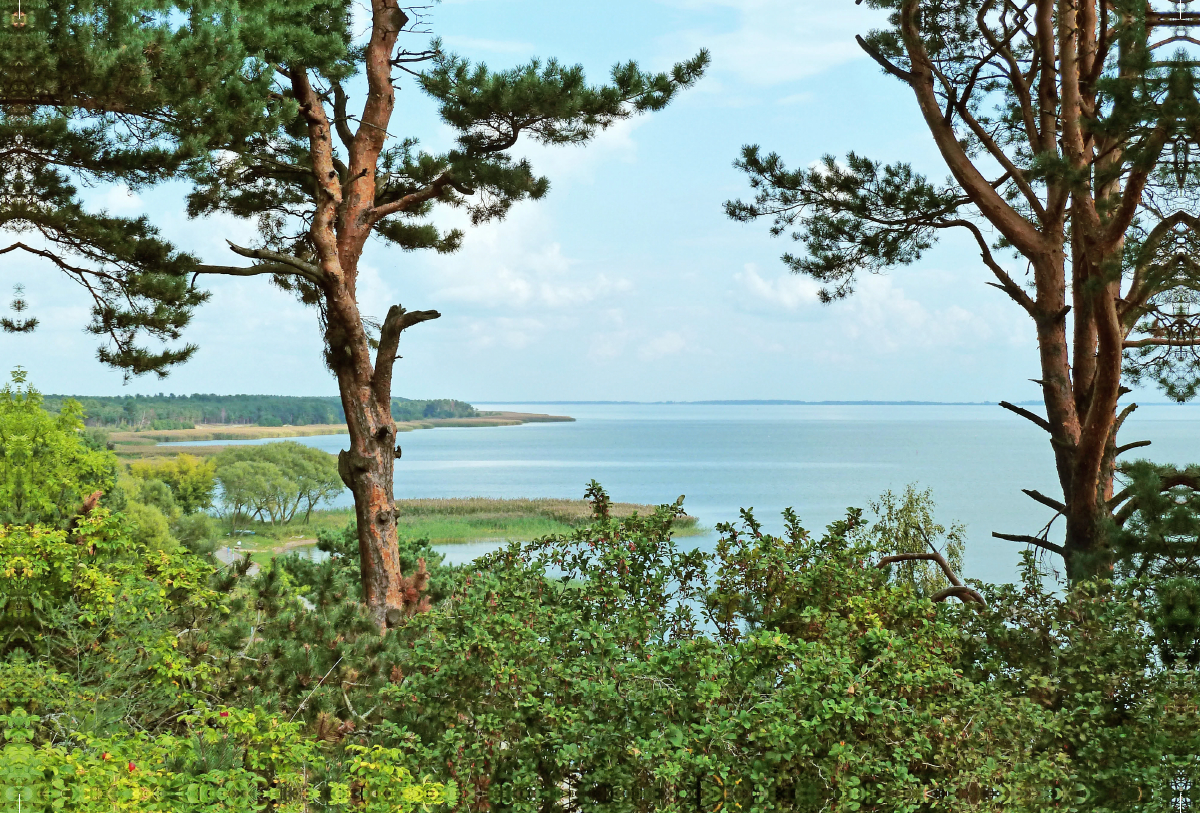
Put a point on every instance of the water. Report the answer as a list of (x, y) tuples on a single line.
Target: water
[(817, 459)]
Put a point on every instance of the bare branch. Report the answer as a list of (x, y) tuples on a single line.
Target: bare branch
[(1044, 500), (923, 557), (1128, 447), (1032, 540), (396, 322), (961, 592), (1006, 283), (899, 73), (1129, 345), (1025, 413), (433, 190), (276, 259), (340, 116), (957, 588)]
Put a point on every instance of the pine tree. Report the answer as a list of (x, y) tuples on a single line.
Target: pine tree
[(121, 92), (1067, 129), (335, 176)]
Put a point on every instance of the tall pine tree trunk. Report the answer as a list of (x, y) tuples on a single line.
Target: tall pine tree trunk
[(368, 466)]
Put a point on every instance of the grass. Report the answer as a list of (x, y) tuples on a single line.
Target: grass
[(144, 444), (446, 521), (150, 437)]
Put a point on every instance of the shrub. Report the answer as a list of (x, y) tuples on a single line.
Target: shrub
[(47, 469)]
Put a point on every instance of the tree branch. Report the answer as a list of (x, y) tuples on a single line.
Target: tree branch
[(961, 592), (957, 588), (1128, 447), (1049, 502), (899, 73), (294, 266), (340, 116), (1129, 345), (433, 190), (396, 322), (1025, 413), (923, 557), (1032, 540), (1006, 283)]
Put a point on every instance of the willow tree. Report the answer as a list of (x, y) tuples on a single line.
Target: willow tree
[(1067, 127), (342, 172)]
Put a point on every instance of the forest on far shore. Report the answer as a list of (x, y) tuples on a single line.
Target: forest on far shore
[(163, 412)]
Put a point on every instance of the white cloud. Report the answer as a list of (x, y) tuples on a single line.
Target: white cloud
[(120, 200), (564, 164), (795, 98), (788, 292), (778, 41), (881, 316), (665, 344), (505, 332), (514, 263)]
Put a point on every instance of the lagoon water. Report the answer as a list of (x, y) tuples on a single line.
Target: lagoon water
[(817, 459)]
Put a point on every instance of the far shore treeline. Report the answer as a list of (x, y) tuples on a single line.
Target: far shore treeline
[(162, 412)]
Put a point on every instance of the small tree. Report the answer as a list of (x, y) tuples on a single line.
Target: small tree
[(47, 471), (333, 178), (1067, 132), (192, 481), (307, 476)]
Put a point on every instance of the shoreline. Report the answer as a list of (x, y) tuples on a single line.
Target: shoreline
[(150, 442)]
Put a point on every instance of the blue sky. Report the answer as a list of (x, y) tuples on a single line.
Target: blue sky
[(626, 282)]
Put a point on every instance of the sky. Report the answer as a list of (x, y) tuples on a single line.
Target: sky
[(626, 282)]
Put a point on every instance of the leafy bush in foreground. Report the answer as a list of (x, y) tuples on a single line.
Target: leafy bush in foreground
[(609, 670), (606, 670)]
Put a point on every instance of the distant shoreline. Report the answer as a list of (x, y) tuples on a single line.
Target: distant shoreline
[(753, 403), (790, 403), (146, 442)]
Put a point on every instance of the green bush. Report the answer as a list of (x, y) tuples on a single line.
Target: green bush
[(275, 480), (607, 670), (47, 466)]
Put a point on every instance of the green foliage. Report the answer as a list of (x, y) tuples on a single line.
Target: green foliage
[(1112, 721), (990, 71), (185, 411), (1156, 541), (124, 92), (196, 532), (404, 409), (276, 479), (605, 668), (149, 525), (222, 759), (47, 468), (852, 217), (191, 481), (780, 673), (905, 524), (263, 177)]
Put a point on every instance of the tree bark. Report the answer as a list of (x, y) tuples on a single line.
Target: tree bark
[(340, 228), (1073, 236)]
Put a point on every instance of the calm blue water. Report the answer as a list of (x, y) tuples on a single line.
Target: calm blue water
[(817, 459)]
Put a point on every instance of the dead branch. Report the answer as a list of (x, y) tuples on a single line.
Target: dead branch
[(1025, 413), (1131, 446), (958, 589), (961, 592), (1044, 500), (1031, 540)]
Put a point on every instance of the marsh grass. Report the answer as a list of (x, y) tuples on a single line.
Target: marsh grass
[(461, 520)]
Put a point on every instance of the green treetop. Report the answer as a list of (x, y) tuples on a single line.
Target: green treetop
[(47, 470)]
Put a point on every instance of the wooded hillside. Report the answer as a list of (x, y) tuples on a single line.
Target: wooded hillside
[(184, 411)]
